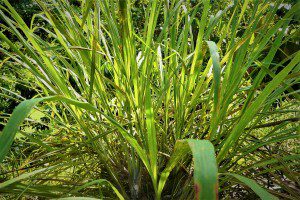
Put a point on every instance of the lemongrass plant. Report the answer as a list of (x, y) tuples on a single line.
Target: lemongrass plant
[(137, 102)]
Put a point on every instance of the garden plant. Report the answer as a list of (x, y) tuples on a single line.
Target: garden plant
[(158, 99)]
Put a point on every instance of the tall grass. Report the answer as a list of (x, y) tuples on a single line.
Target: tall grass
[(136, 102)]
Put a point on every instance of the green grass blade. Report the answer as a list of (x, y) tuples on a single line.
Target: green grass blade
[(93, 69), (262, 193), (23, 109), (151, 137), (19, 114), (255, 106), (78, 198), (180, 150), (198, 57), (99, 181), (205, 167), (217, 82), (23, 176)]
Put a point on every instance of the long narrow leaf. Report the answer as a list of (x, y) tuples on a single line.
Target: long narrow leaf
[(262, 193), (205, 167)]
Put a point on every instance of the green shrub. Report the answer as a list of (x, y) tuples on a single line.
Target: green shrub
[(126, 106)]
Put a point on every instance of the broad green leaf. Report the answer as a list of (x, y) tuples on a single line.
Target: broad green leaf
[(205, 169)]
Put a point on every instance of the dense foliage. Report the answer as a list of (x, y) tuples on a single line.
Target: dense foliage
[(150, 99)]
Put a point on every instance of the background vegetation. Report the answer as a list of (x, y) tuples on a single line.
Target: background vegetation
[(149, 99)]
